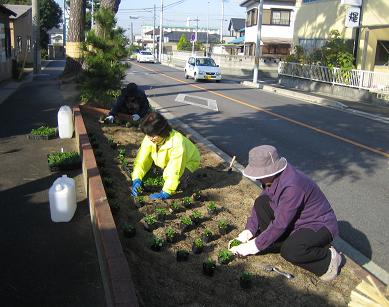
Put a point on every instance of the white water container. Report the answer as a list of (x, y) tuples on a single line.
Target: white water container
[(65, 122), (62, 198)]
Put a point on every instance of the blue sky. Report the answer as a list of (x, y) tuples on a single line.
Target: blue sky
[(177, 14)]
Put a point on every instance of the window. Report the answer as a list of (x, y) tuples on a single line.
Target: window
[(19, 44), (252, 18), (382, 53), (266, 17), (280, 17), (311, 44), (308, 1)]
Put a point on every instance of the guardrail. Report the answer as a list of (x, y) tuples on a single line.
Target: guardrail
[(377, 82)]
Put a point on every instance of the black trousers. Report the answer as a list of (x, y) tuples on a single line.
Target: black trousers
[(306, 248)]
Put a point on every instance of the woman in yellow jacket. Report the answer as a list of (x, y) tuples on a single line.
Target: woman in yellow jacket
[(169, 150)]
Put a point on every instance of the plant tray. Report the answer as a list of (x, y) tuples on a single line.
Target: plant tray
[(66, 166), (43, 137)]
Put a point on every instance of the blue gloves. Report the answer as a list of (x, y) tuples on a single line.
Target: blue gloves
[(136, 185), (160, 195)]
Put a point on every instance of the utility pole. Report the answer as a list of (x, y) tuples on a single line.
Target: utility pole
[(206, 46), (221, 23), (36, 36), (160, 33), (132, 33), (64, 23), (154, 33), (92, 13), (258, 41)]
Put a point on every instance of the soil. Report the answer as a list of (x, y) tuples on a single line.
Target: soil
[(162, 281)]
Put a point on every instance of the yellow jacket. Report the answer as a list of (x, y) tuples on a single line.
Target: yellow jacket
[(176, 154)]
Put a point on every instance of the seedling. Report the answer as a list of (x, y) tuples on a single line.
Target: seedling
[(107, 181), (157, 244), (197, 196), (175, 206), (150, 222), (212, 208), (182, 255), (185, 223), (223, 225), (246, 280), (128, 124), (43, 133), (161, 213), (235, 242), (207, 235), (64, 161), (129, 231), (112, 143), (196, 217), (225, 256), (114, 206), (171, 235), (152, 183), (198, 246), (209, 267), (139, 201), (187, 202)]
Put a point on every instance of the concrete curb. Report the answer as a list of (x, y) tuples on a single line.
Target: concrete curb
[(360, 271), (116, 276)]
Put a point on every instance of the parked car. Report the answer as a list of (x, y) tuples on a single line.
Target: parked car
[(145, 56), (203, 68)]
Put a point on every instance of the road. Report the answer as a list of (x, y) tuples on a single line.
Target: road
[(345, 154)]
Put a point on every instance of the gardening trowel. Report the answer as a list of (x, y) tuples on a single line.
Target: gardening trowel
[(232, 162), (270, 268)]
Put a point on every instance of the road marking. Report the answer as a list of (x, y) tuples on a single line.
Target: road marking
[(211, 104), (346, 140)]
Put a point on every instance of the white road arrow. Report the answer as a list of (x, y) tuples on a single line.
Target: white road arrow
[(205, 103)]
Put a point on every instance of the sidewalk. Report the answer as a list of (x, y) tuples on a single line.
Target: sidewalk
[(43, 263)]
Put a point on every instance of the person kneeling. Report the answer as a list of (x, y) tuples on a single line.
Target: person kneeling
[(291, 216), (169, 150)]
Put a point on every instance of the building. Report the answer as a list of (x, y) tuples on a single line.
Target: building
[(316, 18), (21, 32), (236, 26), (276, 30), (5, 43)]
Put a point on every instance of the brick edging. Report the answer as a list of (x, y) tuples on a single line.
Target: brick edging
[(118, 285)]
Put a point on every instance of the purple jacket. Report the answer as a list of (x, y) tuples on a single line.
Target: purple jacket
[(290, 194)]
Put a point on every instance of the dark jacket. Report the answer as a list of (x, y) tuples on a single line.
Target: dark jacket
[(140, 106)]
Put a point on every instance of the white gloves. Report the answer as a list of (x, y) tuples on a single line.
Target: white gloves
[(109, 119), (243, 237), (135, 117), (245, 249)]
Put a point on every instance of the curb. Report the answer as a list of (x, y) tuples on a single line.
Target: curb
[(358, 270), (116, 276)]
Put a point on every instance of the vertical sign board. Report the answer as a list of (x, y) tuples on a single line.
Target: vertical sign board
[(193, 37), (351, 2), (353, 16)]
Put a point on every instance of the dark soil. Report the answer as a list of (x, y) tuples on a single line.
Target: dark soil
[(162, 281)]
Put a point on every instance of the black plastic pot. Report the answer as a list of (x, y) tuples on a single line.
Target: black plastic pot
[(212, 212), (245, 283), (197, 250), (172, 239), (206, 239), (150, 227), (182, 255), (209, 268), (156, 248), (115, 208), (129, 231)]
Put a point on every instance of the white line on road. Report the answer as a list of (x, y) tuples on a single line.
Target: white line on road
[(211, 104)]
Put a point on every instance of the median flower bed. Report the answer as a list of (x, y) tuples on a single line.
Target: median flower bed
[(176, 249)]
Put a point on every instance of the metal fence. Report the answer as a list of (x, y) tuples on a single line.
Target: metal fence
[(362, 79)]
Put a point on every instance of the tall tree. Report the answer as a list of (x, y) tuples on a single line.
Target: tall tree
[(110, 5), (75, 36)]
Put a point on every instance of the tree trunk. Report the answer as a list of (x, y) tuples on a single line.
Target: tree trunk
[(112, 5), (75, 37)]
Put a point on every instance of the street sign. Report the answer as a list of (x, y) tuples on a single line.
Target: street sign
[(351, 2), (193, 37), (353, 17)]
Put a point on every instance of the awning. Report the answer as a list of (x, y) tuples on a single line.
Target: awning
[(238, 40)]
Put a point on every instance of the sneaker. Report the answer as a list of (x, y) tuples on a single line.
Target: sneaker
[(333, 268)]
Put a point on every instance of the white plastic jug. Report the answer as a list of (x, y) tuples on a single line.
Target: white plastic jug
[(62, 198), (65, 122)]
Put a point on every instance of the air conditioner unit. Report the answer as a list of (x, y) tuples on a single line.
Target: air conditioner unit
[(351, 2)]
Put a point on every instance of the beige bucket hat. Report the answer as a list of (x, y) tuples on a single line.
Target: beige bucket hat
[(264, 161)]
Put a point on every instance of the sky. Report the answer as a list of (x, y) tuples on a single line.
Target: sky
[(176, 12)]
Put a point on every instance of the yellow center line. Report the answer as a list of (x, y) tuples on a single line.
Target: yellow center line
[(346, 140)]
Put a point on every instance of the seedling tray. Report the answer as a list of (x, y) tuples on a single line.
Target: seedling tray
[(65, 166), (43, 137)]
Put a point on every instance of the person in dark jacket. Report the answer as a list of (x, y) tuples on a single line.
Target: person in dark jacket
[(132, 101), (291, 216)]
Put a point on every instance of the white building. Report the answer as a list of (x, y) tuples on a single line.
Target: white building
[(277, 27)]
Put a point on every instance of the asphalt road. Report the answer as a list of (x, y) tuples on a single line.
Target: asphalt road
[(345, 154)]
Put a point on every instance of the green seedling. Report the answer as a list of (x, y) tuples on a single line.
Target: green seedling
[(211, 208), (235, 242), (107, 181), (150, 219), (209, 267), (139, 201), (154, 181), (225, 256), (129, 231), (171, 235), (187, 221), (245, 280), (157, 244), (222, 225), (175, 206), (196, 216), (197, 196), (161, 213), (198, 246), (186, 201), (44, 131), (207, 235)]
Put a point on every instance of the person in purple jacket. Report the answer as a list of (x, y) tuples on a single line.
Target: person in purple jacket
[(291, 216)]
